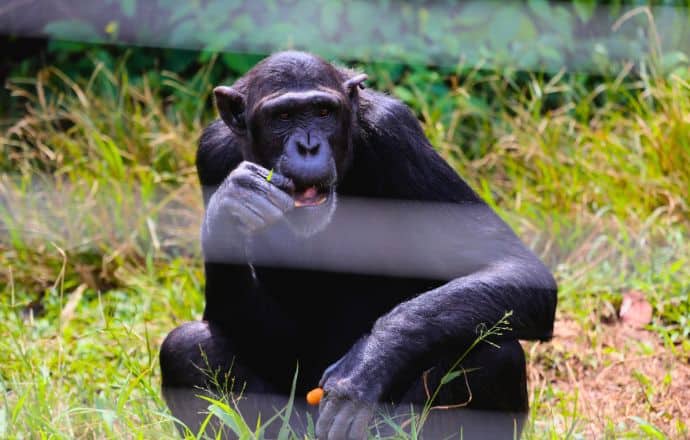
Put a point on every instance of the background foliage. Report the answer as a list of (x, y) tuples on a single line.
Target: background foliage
[(534, 34)]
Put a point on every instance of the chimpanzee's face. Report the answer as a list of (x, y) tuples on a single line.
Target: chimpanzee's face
[(294, 113), (303, 135)]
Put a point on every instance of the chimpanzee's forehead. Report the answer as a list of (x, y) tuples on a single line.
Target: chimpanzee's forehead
[(290, 71), (321, 96)]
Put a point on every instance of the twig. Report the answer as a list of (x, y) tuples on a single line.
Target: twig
[(458, 405)]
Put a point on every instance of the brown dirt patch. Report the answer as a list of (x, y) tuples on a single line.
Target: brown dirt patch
[(611, 374)]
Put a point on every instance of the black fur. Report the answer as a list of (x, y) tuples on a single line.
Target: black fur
[(386, 329)]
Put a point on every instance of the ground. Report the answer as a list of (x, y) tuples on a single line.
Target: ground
[(614, 374)]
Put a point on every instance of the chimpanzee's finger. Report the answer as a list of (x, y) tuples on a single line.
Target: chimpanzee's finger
[(247, 218), (360, 423), (331, 368), (270, 176), (341, 423), (268, 212), (278, 196), (327, 412), (257, 184), (281, 182)]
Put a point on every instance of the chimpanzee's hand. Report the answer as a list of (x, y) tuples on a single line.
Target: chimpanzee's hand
[(246, 201), (351, 393)]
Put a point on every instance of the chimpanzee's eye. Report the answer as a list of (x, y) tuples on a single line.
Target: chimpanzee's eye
[(284, 116), (323, 112)]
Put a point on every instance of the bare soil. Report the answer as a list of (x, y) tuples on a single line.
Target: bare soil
[(613, 378)]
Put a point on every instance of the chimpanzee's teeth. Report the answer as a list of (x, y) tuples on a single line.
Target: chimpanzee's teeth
[(311, 196)]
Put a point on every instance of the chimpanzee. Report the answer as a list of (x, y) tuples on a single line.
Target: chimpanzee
[(336, 240)]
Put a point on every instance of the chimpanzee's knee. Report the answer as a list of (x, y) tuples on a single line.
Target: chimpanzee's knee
[(191, 353), (491, 378), (198, 358), (487, 399), (497, 377)]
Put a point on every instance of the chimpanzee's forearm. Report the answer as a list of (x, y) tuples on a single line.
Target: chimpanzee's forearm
[(450, 316)]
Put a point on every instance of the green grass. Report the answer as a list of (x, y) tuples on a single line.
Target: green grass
[(101, 209)]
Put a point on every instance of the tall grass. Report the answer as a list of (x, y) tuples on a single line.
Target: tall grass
[(594, 175), (98, 217)]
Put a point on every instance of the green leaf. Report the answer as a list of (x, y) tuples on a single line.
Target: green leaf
[(541, 8), (449, 377), (129, 7), (671, 60), (562, 21), (504, 27), (185, 32), (311, 429), (240, 62), (66, 46), (404, 94), (474, 13), (3, 422), (72, 30), (284, 432), (649, 429), (584, 9), (229, 418), (221, 40)]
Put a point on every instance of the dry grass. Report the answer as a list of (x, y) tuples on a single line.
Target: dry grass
[(616, 376)]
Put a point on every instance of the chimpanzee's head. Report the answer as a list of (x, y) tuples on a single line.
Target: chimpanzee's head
[(295, 114)]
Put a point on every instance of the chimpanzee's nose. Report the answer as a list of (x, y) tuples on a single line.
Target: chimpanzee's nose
[(308, 148)]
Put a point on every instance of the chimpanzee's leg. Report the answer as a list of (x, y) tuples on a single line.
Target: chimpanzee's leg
[(488, 399), (197, 354), (197, 358)]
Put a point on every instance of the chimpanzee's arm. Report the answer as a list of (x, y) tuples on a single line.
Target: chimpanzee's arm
[(409, 168), (217, 155), (234, 299), (448, 316)]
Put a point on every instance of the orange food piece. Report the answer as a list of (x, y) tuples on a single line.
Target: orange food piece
[(314, 396)]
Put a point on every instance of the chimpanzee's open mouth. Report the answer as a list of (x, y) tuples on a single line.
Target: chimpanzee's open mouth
[(313, 195)]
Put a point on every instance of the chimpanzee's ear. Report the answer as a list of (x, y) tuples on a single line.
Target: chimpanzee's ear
[(230, 104), (352, 86)]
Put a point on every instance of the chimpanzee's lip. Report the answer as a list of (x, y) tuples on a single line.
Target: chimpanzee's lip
[(312, 195)]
